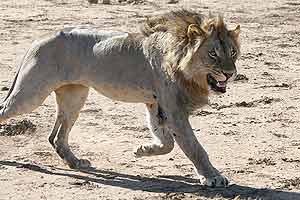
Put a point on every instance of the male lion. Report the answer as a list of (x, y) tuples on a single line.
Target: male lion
[(172, 66)]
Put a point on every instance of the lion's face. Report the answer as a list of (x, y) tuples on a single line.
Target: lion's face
[(214, 58)]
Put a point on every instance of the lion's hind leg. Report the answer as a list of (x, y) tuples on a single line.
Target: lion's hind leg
[(70, 99), (163, 141)]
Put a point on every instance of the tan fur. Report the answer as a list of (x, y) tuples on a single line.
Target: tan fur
[(169, 67)]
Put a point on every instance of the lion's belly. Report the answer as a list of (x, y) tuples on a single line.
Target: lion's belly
[(126, 94), (114, 67)]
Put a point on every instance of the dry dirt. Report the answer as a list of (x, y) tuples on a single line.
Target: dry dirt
[(252, 133)]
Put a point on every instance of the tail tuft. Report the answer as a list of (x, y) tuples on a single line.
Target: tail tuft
[(2, 118)]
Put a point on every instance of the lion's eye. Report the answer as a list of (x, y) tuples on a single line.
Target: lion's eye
[(212, 53), (233, 52)]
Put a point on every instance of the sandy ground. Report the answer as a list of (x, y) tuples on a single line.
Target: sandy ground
[(251, 133)]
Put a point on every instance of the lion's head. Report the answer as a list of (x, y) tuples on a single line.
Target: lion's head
[(200, 50)]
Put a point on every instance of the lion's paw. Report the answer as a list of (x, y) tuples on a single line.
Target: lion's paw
[(84, 163), (142, 150), (81, 164), (215, 181)]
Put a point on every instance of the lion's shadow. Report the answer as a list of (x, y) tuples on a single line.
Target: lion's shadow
[(162, 184)]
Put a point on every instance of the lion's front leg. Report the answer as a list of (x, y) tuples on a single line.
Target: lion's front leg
[(163, 141), (189, 144)]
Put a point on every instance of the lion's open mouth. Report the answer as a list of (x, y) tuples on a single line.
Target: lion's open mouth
[(217, 86)]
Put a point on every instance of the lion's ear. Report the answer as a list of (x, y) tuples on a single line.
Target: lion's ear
[(195, 31), (235, 32)]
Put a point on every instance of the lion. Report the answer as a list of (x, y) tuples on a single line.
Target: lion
[(171, 66)]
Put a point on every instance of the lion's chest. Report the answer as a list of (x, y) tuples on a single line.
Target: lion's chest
[(126, 93)]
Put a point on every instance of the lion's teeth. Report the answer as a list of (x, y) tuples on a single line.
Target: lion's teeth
[(221, 84)]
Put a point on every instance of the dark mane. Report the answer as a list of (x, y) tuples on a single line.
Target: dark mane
[(178, 47), (177, 22)]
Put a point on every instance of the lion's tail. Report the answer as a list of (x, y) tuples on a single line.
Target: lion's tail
[(11, 87), (2, 105)]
